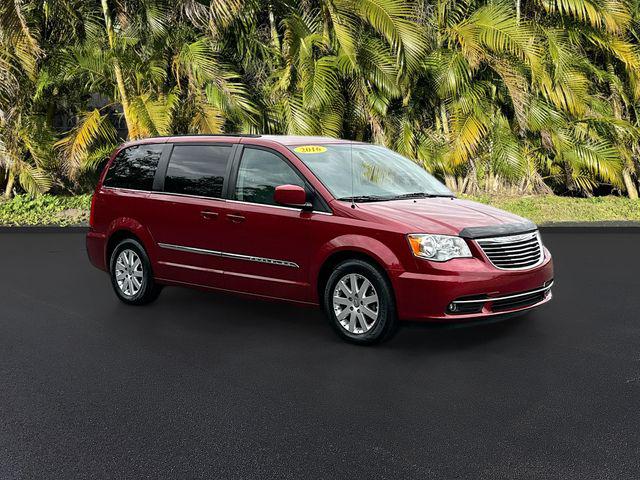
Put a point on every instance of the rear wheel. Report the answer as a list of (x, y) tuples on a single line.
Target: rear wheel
[(359, 303), (131, 275)]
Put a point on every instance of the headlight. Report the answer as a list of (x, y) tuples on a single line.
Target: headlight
[(438, 248)]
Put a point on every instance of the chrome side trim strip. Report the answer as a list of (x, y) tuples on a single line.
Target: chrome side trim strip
[(506, 297), (236, 256), (188, 195), (219, 199), (107, 187), (230, 200)]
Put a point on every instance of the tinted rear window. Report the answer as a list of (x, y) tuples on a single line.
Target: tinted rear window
[(134, 167), (197, 170)]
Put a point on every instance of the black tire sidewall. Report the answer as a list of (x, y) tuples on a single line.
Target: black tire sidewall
[(145, 294), (386, 322)]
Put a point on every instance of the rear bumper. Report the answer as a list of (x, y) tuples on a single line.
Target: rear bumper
[(479, 291), (95, 243)]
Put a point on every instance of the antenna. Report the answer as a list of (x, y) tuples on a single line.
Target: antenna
[(353, 189)]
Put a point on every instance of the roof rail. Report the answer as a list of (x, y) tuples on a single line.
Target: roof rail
[(250, 135)]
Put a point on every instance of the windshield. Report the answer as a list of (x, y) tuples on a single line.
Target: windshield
[(378, 173)]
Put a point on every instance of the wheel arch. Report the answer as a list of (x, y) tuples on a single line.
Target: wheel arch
[(123, 229), (366, 249)]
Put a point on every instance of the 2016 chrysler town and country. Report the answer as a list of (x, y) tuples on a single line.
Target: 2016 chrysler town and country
[(356, 228)]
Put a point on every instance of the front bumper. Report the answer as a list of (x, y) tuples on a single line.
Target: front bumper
[(477, 290), (489, 306)]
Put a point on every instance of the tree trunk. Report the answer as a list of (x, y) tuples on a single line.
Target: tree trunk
[(450, 182), (122, 90), (569, 181), (8, 191), (124, 99), (465, 182), (275, 39), (445, 120), (629, 184), (616, 103)]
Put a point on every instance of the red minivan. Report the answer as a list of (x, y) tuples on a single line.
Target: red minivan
[(363, 232)]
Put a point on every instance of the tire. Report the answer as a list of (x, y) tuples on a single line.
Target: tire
[(131, 274), (362, 322)]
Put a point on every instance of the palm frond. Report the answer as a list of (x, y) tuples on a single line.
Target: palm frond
[(601, 159), (34, 180), (92, 128)]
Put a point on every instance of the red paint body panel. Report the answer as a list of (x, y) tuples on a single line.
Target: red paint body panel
[(188, 221), (425, 296), (293, 244)]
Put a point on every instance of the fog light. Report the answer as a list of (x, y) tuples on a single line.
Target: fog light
[(453, 307)]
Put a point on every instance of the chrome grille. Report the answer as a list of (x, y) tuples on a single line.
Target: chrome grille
[(513, 252)]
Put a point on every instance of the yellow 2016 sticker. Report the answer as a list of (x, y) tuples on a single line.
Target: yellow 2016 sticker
[(310, 149)]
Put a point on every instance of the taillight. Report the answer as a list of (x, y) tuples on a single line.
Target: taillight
[(93, 209), (102, 167)]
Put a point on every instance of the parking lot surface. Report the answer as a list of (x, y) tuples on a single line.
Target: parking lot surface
[(206, 385)]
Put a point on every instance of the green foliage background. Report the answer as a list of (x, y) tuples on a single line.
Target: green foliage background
[(47, 209), (516, 97)]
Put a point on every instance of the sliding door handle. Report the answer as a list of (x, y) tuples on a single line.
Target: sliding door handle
[(235, 218), (206, 214)]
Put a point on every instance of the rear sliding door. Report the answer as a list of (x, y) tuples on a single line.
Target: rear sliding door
[(189, 213)]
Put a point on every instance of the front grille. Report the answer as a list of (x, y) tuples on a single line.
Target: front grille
[(513, 252)]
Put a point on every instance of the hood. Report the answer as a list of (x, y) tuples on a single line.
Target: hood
[(448, 216)]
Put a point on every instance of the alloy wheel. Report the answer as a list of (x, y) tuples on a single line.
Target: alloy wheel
[(129, 274), (355, 303)]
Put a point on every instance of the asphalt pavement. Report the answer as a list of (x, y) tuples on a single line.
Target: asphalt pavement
[(206, 385)]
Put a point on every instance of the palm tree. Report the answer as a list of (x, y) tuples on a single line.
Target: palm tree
[(24, 137), (322, 67), (512, 104), (493, 96), (162, 80)]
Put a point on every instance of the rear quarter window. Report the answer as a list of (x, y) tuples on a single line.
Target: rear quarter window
[(134, 167)]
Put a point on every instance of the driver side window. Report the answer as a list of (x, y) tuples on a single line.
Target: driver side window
[(260, 173)]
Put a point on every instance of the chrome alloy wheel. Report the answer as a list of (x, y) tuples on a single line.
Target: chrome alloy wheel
[(129, 273), (355, 303)]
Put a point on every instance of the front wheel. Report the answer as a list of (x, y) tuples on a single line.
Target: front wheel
[(131, 274), (359, 303)]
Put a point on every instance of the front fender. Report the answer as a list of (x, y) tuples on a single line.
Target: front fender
[(361, 244)]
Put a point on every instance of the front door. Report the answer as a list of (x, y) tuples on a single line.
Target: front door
[(265, 243)]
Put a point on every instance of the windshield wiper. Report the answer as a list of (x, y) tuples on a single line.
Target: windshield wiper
[(421, 195), (365, 198), (384, 198)]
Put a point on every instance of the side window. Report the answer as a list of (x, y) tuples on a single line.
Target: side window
[(260, 173), (134, 167), (197, 170)]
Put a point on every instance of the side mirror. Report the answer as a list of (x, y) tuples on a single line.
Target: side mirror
[(291, 196)]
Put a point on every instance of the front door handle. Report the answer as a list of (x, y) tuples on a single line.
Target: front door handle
[(235, 218), (209, 215)]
